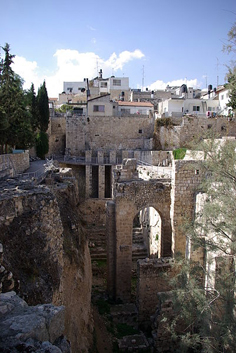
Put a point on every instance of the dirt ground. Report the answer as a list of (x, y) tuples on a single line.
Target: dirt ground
[(102, 337)]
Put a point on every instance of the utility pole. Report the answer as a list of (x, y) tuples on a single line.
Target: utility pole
[(143, 78)]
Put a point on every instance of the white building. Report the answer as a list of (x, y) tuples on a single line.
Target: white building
[(74, 87), (140, 108)]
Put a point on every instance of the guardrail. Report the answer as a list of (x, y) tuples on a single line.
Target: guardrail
[(37, 175)]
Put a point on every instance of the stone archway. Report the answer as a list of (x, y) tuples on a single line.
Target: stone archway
[(129, 198), (147, 231)]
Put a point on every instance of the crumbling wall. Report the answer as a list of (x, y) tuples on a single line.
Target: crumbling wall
[(48, 252), (193, 128), (57, 135), (186, 177), (152, 279), (108, 133), (26, 328), (130, 198), (14, 163)]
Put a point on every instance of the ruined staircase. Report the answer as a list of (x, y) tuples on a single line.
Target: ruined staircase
[(97, 243), (139, 249)]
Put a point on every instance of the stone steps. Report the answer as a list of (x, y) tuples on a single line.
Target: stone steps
[(97, 243), (139, 249)]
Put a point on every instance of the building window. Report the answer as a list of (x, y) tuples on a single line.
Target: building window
[(103, 84), (99, 108), (222, 97), (140, 131), (125, 111), (116, 82), (196, 108)]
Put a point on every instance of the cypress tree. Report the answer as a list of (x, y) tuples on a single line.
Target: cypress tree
[(43, 108), (16, 129)]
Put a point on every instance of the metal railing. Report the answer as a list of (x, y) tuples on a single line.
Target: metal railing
[(38, 175)]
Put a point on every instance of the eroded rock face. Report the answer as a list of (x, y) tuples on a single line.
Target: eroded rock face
[(31, 329), (47, 251)]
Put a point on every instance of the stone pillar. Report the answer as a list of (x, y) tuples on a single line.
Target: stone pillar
[(111, 247), (125, 154), (100, 157), (113, 157), (88, 181), (137, 155), (101, 181), (88, 156), (124, 229)]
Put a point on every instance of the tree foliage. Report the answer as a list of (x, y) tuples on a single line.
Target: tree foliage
[(42, 144), (230, 47), (22, 114), (16, 129), (43, 108), (33, 107), (204, 291)]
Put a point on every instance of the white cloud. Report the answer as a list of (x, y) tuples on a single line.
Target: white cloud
[(27, 70), (72, 66), (162, 85), (91, 28)]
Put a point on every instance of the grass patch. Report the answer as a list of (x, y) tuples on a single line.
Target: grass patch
[(166, 122), (179, 153), (103, 307), (100, 263), (125, 330)]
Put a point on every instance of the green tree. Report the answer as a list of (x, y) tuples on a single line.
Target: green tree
[(43, 108), (231, 76), (15, 119), (230, 47), (204, 292), (32, 107), (42, 144)]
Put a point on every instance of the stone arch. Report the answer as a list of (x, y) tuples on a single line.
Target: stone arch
[(147, 233), (129, 199)]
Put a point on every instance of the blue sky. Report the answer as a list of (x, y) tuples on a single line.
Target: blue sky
[(155, 42)]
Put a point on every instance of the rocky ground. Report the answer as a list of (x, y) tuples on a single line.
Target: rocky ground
[(115, 324)]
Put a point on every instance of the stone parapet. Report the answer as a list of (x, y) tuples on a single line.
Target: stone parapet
[(152, 279)]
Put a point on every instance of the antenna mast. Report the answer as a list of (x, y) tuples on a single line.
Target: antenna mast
[(143, 78), (217, 70)]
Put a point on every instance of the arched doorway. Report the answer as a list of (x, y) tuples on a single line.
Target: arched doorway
[(131, 199), (147, 227)]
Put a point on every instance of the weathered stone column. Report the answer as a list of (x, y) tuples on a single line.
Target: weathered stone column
[(113, 157), (88, 156), (124, 228), (88, 178), (111, 247), (101, 181), (125, 154), (100, 157)]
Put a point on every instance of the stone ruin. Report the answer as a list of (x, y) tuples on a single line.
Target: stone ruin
[(24, 328)]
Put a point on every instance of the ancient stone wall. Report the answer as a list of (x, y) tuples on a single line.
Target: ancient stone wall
[(193, 128), (186, 177), (108, 133), (57, 135), (26, 328), (130, 198), (14, 163), (47, 250), (152, 279)]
